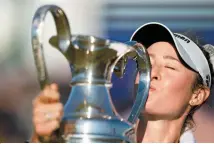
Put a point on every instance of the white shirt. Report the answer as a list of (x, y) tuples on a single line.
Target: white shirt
[(187, 137)]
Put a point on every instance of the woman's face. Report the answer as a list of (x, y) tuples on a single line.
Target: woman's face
[(171, 83)]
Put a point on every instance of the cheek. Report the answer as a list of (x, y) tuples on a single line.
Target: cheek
[(177, 83), (173, 96), (178, 89)]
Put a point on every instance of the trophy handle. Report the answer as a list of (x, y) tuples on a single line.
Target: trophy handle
[(63, 33), (144, 68)]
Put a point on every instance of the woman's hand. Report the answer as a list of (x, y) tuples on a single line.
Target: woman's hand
[(47, 112)]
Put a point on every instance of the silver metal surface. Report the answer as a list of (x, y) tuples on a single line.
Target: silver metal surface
[(89, 114)]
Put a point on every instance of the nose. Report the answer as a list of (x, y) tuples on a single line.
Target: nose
[(155, 72), (137, 79)]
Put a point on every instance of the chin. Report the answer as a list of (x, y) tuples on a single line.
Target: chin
[(155, 113), (159, 115)]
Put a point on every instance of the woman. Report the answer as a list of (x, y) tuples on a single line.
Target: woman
[(180, 82)]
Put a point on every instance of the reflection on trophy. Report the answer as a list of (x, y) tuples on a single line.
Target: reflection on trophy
[(89, 114)]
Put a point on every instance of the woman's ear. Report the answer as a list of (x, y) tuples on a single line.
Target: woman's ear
[(199, 96)]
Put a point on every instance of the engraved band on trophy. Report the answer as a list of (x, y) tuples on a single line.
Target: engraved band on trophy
[(89, 114)]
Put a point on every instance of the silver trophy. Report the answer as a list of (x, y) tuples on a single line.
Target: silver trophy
[(89, 114)]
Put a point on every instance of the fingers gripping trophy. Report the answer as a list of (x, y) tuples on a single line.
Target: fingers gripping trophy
[(89, 114)]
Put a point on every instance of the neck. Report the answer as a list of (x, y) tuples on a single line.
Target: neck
[(161, 130)]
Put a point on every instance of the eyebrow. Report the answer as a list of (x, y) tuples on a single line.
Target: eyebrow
[(167, 57), (171, 58)]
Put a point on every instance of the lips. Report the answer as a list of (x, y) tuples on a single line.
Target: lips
[(152, 88)]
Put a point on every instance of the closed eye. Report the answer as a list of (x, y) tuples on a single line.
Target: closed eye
[(169, 67)]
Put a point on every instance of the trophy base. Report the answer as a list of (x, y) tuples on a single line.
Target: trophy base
[(81, 138), (96, 131)]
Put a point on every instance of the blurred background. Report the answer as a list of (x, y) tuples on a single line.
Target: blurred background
[(116, 20)]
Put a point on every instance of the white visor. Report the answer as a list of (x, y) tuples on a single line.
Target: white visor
[(190, 52)]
